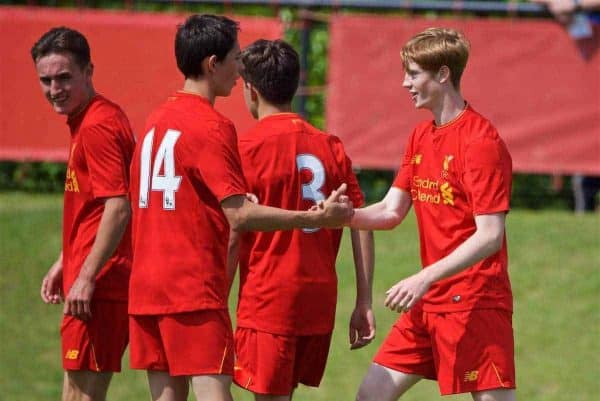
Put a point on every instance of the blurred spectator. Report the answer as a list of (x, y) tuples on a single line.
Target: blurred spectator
[(578, 17), (566, 11), (585, 192)]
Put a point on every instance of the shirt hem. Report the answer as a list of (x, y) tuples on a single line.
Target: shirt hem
[(172, 310), (449, 308), (110, 194), (283, 332)]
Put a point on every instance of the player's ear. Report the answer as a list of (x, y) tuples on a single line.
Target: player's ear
[(253, 93), (444, 74), (89, 70), (209, 64)]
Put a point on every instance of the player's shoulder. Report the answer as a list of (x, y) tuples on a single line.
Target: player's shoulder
[(101, 108), (191, 113), (477, 128), (318, 135), (420, 130), (105, 115)]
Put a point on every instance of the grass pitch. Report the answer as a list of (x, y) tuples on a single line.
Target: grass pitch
[(554, 267)]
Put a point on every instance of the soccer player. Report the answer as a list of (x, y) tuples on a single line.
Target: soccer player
[(456, 321), (94, 265), (288, 283), (188, 190)]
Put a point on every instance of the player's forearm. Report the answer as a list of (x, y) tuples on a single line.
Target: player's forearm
[(385, 214), (375, 217), (110, 231), (364, 261), (486, 241), (243, 215), (232, 256), (246, 216), (266, 218)]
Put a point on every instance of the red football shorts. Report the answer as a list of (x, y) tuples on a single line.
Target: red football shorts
[(464, 351), (97, 344), (274, 364), (183, 344)]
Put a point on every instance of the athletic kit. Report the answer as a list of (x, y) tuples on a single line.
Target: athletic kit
[(288, 283), (455, 172), (98, 167), (185, 164)]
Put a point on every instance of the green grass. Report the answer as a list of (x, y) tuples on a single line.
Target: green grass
[(554, 267)]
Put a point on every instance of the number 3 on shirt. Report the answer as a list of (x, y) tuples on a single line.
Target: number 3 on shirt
[(164, 160), (312, 190)]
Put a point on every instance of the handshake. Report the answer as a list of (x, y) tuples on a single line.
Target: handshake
[(335, 211)]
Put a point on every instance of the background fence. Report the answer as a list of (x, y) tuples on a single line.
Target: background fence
[(556, 102)]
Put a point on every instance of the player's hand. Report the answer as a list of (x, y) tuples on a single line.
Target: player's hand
[(51, 290), (406, 293), (337, 209), (250, 197), (77, 303), (362, 327)]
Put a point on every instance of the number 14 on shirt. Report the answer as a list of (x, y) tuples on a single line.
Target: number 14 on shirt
[(164, 160)]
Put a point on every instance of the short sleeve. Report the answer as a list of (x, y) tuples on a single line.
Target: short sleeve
[(404, 175), (106, 159), (219, 162), (488, 175)]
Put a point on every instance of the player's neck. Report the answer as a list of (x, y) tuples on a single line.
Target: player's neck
[(199, 87), (449, 106), (90, 95), (267, 109)]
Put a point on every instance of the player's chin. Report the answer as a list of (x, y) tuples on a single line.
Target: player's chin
[(62, 108)]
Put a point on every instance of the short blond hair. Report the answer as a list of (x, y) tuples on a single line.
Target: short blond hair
[(435, 47)]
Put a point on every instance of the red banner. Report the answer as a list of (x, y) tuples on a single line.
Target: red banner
[(134, 64), (527, 76)]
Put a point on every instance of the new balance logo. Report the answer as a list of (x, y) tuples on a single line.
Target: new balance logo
[(471, 375), (416, 159), (72, 354)]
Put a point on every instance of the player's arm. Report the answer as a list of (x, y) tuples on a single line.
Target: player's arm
[(362, 321), (485, 241), (385, 214), (233, 248), (110, 231), (244, 215), (51, 290)]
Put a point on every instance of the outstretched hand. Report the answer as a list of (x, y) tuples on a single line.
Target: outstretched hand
[(337, 209)]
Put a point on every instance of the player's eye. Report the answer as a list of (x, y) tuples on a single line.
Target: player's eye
[(45, 81)]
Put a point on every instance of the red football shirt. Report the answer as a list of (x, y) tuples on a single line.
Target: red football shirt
[(101, 147), (186, 163), (288, 283), (455, 172)]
